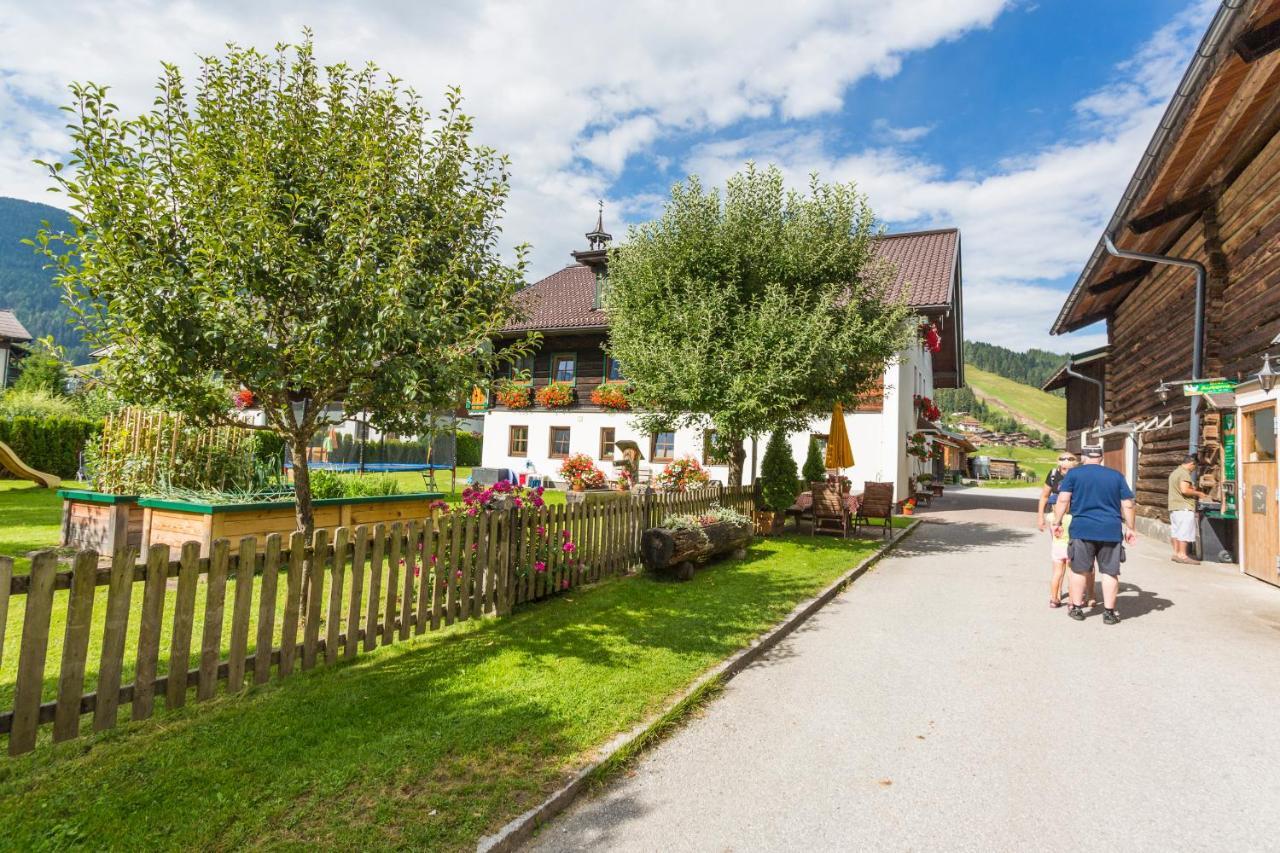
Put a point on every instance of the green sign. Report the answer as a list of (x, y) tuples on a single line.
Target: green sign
[(1229, 464), (1218, 386)]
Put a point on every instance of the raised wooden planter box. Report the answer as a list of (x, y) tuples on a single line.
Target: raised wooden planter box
[(173, 523), (100, 521), (677, 552), (594, 496)]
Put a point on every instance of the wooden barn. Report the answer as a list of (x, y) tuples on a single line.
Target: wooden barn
[(1187, 280)]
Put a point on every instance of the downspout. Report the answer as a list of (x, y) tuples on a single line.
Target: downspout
[(1197, 349), (1071, 371)]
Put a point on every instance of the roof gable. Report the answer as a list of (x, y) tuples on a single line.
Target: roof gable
[(11, 329)]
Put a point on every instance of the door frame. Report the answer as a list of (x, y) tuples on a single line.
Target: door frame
[(1244, 427)]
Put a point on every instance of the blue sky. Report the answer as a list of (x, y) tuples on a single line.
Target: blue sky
[(1018, 121)]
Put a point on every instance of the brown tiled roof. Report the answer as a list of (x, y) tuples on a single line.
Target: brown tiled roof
[(562, 300), (925, 262), (11, 329)]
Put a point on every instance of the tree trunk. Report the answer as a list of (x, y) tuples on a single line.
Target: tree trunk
[(302, 486), (737, 456), (663, 549)]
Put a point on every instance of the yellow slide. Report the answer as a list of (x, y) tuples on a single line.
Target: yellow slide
[(10, 462)]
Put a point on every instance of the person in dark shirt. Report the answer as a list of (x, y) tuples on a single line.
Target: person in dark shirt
[(1057, 544), (1102, 521)]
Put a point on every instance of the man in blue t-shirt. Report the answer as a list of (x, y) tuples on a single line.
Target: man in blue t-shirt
[(1102, 519)]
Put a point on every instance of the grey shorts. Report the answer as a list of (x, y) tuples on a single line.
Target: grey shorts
[(1083, 552)]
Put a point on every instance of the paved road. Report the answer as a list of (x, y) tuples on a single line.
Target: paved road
[(939, 704)]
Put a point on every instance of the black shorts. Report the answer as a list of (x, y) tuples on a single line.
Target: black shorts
[(1083, 552)]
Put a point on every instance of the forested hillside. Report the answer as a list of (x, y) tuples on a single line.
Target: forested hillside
[(25, 286), (1032, 367)]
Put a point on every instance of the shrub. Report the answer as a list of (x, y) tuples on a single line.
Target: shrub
[(325, 484), (815, 467), (49, 444), (17, 403), (778, 475), (557, 395), (683, 474), (369, 486), (469, 448), (44, 368)]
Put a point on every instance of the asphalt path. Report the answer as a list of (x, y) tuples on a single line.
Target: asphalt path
[(939, 704)]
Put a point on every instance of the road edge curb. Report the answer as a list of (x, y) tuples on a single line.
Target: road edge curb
[(521, 828)]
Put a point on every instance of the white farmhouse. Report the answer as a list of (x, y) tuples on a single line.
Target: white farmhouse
[(565, 308)]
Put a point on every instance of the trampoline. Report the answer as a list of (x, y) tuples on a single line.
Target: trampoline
[(375, 467)]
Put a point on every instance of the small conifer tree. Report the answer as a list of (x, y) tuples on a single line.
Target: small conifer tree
[(779, 483), (815, 469)]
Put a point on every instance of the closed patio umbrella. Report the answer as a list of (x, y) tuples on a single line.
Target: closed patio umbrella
[(839, 453)]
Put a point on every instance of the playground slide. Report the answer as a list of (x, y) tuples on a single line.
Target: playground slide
[(10, 462)]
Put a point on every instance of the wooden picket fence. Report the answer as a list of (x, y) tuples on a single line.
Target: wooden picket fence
[(345, 592)]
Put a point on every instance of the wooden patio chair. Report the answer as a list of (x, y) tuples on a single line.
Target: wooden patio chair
[(877, 502), (829, 512)]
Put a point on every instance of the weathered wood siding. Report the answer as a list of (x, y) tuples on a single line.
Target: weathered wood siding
[(1151, 331)]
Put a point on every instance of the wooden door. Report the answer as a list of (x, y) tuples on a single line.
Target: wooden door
[(1113, 453), (1257, 504)]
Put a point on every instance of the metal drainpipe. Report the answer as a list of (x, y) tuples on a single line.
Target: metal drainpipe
[(1197, 349), (1070, 371)]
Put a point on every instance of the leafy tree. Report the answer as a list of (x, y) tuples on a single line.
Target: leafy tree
[(43, 368), (815, 467), (309, 234), (779, 480), (751, 312)]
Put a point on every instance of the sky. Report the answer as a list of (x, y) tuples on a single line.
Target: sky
[(1017, 121)]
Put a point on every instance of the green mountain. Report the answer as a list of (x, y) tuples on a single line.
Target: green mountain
[(25, 286), (1032, 367)]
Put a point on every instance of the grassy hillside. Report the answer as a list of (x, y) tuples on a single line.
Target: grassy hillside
[(1036, 459), (1029, 405)]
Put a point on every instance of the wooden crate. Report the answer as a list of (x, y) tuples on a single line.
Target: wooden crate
[(100, 521)]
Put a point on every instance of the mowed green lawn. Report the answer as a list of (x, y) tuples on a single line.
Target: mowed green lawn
[(427, 744), (30, 519), (1036, 459), (1021, 401)]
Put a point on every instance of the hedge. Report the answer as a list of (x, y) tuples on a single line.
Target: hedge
[(51, 445)]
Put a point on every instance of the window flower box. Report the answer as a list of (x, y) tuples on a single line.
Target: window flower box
[(611, 395), (557, 395), (515, 395)]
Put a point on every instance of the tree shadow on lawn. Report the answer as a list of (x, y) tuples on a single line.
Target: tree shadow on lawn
[(429, 743)]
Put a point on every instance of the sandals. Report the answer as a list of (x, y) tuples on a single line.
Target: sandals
[(1055, 603)]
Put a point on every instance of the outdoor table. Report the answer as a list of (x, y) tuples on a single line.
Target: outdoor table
[(804, 504)]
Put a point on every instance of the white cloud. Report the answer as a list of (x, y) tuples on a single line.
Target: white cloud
[(570, 90), (1032, 220), (900, 134)]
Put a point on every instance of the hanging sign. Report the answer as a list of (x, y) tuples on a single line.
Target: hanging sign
[(479, 401), (1216, 386)]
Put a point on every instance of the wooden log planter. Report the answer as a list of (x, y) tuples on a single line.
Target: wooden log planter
[(677, 552)]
